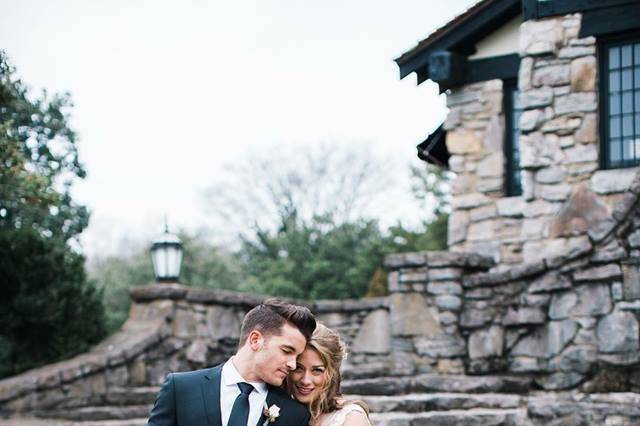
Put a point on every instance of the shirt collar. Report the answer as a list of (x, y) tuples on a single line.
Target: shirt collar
[(230, 377)]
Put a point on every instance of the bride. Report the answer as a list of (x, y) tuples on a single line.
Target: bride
[(316, 382)]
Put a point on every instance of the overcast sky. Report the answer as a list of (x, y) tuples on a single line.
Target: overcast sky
[(167, 92)]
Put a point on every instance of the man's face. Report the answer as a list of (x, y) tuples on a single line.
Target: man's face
[(277, 355)]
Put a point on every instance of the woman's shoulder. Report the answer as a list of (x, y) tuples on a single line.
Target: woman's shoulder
[(339, 417), (350, 407)]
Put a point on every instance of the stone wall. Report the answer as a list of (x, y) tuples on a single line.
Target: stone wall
[(176, 328), (566, 320), (564, 192)]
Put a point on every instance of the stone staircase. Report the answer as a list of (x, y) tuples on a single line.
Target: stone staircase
[(402, 401)]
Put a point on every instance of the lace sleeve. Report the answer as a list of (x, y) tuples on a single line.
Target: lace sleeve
[(338, 417)]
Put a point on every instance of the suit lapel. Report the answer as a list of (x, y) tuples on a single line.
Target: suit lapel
[(270, 401), (211, 396)]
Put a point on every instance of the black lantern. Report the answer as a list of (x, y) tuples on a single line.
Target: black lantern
[(166, 256)]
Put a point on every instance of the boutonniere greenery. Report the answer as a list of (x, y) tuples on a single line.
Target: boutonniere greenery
[(271, 413)]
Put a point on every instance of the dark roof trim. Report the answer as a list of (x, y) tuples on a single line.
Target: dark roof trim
[(459, 35), (613, 20), (434, 150), (504, 67), (535, 9)]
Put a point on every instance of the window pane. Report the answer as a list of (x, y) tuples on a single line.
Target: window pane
[(614, 104), (627, 79), (614, 150), (614, 81), (614, 57), (636, 54), (627, 125), (627, 149), (614, 127), (637, 126), (637, 101), (636, 74), (627, 102), (626, 56)]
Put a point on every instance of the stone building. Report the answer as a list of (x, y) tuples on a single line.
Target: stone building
[(543, 129), (531, 318)]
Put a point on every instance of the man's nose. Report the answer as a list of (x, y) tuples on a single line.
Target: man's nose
[(291, 364)]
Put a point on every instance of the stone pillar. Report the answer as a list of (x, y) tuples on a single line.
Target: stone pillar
[(425, 300)]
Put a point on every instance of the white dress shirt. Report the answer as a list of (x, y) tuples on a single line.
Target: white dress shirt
[(229, 390)]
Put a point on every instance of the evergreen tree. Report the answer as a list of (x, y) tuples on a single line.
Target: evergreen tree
[(48, 311)]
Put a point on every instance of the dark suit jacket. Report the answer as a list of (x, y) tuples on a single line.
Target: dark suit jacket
[(193, 399)]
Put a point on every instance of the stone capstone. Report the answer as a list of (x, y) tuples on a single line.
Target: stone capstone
[(531, 120), (536, 151), (553, 75), (588, 131), (618, 332), (486, 342), (524, 315), (457, 227), (492, 165), (463, 142), (440, 346), (374, 336), (582, 211), (410, 316), (585, 300), (197, 352), (536, 98), (448, 302), (549, 282), (598, 273), (583, 74), (575, 102), (612, 181), (540, 37), (546, 341), (223, 323), (511, 207)]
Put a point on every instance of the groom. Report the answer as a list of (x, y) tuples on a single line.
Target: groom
[(236, 393)]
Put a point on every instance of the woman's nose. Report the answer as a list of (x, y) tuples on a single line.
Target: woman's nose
[(306, 378)]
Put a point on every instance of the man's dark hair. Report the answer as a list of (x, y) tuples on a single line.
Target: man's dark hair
[(269, 317)]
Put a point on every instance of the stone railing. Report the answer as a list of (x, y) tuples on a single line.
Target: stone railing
[(176, 328), (566, 321)]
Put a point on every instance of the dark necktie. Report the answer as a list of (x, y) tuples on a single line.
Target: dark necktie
[(240, 410)]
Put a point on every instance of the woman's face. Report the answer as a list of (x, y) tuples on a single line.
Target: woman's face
[(309, 376)]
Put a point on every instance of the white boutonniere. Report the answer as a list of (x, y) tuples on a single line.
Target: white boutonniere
[(271, 413)]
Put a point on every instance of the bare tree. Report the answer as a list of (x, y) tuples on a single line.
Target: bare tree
[(335, 183)]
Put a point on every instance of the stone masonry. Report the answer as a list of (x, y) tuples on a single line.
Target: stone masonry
[(567, 321), (564, 193), (176, 328)]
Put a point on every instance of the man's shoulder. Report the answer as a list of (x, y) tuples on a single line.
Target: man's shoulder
[(188, 376)]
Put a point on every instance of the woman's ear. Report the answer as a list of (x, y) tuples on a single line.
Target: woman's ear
[(256, 340)]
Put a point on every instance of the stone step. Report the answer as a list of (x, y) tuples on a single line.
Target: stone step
[(471, 417), (427, 383), (131, 396), (103, 412), (415, 403), (23, 421)]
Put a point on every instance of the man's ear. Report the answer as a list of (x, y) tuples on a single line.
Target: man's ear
[(255, 340)]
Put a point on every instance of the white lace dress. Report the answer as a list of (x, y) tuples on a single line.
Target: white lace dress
[(338, 417)]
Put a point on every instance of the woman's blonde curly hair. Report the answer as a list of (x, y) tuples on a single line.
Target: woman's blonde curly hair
[(332, 350)]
